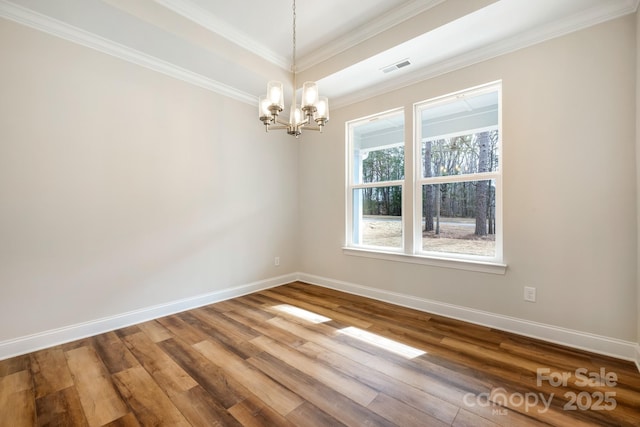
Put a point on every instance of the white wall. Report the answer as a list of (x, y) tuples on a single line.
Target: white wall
[(569, 188), (121, 188)]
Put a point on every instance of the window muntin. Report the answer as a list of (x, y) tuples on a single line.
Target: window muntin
[(376, 178)]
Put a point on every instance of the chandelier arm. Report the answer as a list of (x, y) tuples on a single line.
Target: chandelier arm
[(281, 122), (304, 122), (279, 127)]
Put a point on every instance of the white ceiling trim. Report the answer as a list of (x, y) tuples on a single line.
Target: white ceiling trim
[(365, 32), (606, 11), (559, 28), (203, 17), (73, 34)]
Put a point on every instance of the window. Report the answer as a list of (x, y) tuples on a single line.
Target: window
[(455, 197), (376, 181), (459, 150)]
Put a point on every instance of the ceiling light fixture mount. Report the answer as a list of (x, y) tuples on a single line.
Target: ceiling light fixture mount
[(313, 113)]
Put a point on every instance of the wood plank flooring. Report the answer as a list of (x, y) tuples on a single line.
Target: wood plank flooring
[(301, 355)]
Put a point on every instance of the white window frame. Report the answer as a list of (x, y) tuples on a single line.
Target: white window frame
[(412, 251), (351, 186), (493, 175)]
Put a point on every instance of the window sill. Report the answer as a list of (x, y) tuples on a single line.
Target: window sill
[(459, 264)]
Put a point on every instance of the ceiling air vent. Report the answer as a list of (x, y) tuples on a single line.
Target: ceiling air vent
[(396, 66)]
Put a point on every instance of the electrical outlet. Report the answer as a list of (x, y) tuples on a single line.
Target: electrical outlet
[(276, 261), (529, 294)]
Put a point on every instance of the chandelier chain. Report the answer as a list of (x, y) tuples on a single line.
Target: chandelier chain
[(293, 66)]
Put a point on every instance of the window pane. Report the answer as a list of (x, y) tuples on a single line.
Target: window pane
[(465, 154), (460, 135), (378, 149), (383, 165), (459, 218), (377, 216)]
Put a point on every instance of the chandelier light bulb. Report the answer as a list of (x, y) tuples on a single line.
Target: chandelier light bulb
[(295, 116), (264, 112), (309, 94), (275, 93), (322, 108)]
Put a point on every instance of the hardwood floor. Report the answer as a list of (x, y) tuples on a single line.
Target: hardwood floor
[(301, 355)]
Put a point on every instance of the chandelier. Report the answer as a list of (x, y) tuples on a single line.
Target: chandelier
[(313, 112)]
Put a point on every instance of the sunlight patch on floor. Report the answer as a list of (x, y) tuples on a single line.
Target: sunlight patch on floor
[(382, 342), (302, 313)]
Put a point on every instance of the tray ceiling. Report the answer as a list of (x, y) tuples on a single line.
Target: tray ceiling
[(234, 48)]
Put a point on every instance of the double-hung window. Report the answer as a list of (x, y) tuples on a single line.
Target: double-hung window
[(458, 189), (452, 188), (376, 180)]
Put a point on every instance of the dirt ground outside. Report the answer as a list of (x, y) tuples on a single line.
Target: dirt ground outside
[(456, 236)]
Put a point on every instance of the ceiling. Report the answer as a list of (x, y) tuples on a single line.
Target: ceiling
[(235, 47)]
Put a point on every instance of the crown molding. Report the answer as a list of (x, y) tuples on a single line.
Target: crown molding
[(606, 11), (203, 17), (580, 21), (365, 32), (76, 35)]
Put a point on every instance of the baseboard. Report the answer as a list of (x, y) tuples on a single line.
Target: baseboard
[(27, 344), (585, 341), (596, 343)]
